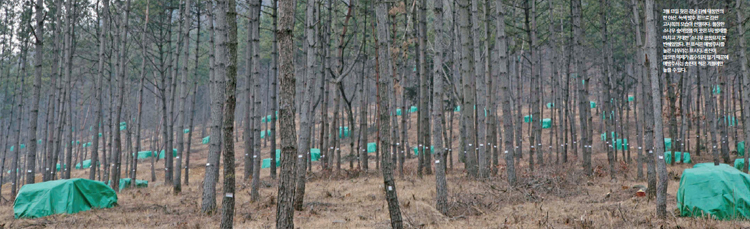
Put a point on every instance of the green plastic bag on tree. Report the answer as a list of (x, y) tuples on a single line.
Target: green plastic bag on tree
[(68, 196), (719, 192)]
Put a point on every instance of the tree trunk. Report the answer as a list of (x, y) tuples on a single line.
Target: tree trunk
[(437, 112), (389, 185), (305, 115), (219, 69), (651, 37), (186, 24), (255, 67)]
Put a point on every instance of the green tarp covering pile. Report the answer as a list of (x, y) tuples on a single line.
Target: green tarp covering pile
[(123, 125), (263, 133), (58, 166), (593, 104), (413, 109), (527, 118), (630, 98), (161, 154), (550, 105), (186, 131), (739, 164), (267, 163), (719, 192), (125, 183), (344, 132), (206, 140), (457, 109), (144, 155), (717, 90), (730, 120), (86, 164), (621, 144), (678, 157), (372, 147), (667, 143), (741, 148), (67, 196), (314, 154), (546, 123), (398, 112), (416, 150)]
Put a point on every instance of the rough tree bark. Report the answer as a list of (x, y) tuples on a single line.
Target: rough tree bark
[(653, 63)]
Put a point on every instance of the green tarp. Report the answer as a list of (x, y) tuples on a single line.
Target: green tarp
[(372, 147), (739, 164), (344, 132), (267, 163), (621, 144), (413, 109), (125, 183), (550, 105), (457, 109), (680, 157), (86, 164), (686, 158), (206, 140), (730, 120), (741, 148), (667, 143), (161, 154), (67, 196), (717, 90), (593, 104), (144, 155), (546, 123), (23, 146), (416, 150), (58, 166), (630, 98), (719, 191), (314, 154), (527, 118), (264, 133), (184, 131), (398, 112)]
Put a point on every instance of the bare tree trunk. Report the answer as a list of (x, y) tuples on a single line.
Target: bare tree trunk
[(287, 111), (651, 37), (212, 175), (303, 153), (467, 72), (195, 93), (255, 67), (502, 51), (272, 93), (745, 83), (139, 122), (121, 66), (227, 49), (389, 185), (186, 24), (437, 112), (36, 91)]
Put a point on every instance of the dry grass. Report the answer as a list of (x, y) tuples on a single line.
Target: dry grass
[(555, 196)]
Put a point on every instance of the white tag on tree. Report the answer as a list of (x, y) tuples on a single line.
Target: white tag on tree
[(390, 188), (230, 195)]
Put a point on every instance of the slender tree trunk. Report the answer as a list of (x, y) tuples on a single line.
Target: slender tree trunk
[(212, 175), (389, 185), (287, 111), (437, 112), (651, 37), (255, 67)]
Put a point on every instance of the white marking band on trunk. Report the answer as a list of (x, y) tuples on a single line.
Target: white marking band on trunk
[(230, 195)]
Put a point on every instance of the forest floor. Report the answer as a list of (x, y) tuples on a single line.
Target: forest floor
[(555, 196)]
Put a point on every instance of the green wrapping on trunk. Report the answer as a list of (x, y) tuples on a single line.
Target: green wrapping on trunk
[(68, 196), (719, 191), (546, 123), (125, 183), (314, 154), (667, 143), (593, 104), (206, 140), (527, 118), (416, 150), (741, 148), (372, 147)]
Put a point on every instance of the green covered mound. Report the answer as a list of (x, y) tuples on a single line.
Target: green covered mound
[(62, 196), (720, 192), (125, 183)]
